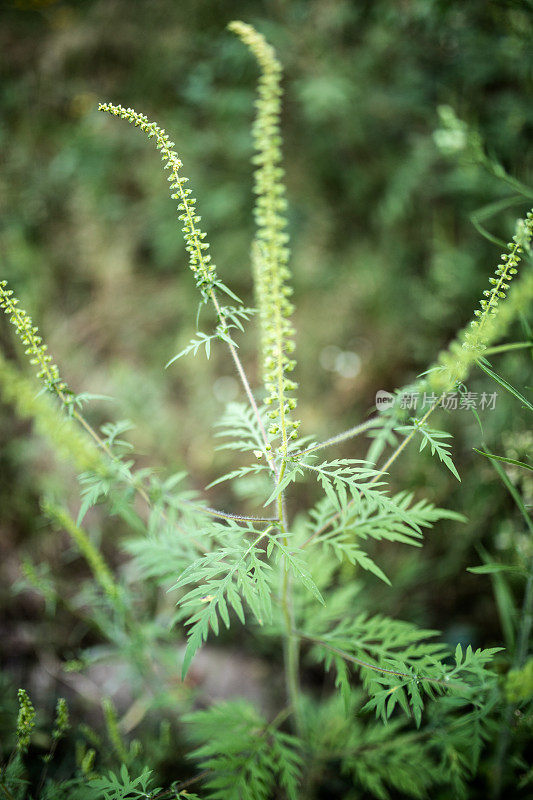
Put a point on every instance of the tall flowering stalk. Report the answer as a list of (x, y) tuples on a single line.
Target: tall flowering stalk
[(270, 256), (503, 275), (491, 319), (489, 324), (47, 370), (270, 252), (199, 260), (455, 362), (25, 721), (35, 348), (239, 559)]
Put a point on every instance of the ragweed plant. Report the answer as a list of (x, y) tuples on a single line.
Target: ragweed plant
[(25, 722), (28, 333), (270, 251), (504, 274), (281, 574)]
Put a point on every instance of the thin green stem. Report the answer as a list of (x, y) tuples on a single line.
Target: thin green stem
[(354, 660), (215, 512), (199, 261), (291, 642), (504, 348), (341, 437), (404, 443), (281, 381), (246, 385), (220, 315)]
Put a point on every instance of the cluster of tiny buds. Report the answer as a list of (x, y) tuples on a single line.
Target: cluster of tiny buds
[(505, 271), (278, 363), (48, 372), (274, 430), (25, 721), (264, 52), (199, 260), (61, 723), (272, 253)]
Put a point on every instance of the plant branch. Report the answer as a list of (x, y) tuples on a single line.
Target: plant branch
[(354, 660), (376, 477), (246, 385), (340, 437), (291, 654)]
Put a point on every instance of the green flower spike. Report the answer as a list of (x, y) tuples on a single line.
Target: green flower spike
[(270, 252), (199, 259), (28, 333), (25, 721), (504, 273)]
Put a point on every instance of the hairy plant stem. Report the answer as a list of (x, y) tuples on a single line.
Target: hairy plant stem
[(246, 385), (291, 644), (281, 384), (351, 433), (358, 662), (504, 348), (222, 320)]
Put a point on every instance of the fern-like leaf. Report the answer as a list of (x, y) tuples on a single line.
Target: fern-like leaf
[(245, 757), (239, 425), (435, 440), (224, 579)]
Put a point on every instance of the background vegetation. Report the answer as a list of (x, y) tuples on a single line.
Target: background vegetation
[(387, 266)]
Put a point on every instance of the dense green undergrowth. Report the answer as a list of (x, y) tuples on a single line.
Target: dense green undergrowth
[(370, 702)]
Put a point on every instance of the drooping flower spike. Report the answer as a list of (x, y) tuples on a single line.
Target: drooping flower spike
[(199, 260)]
